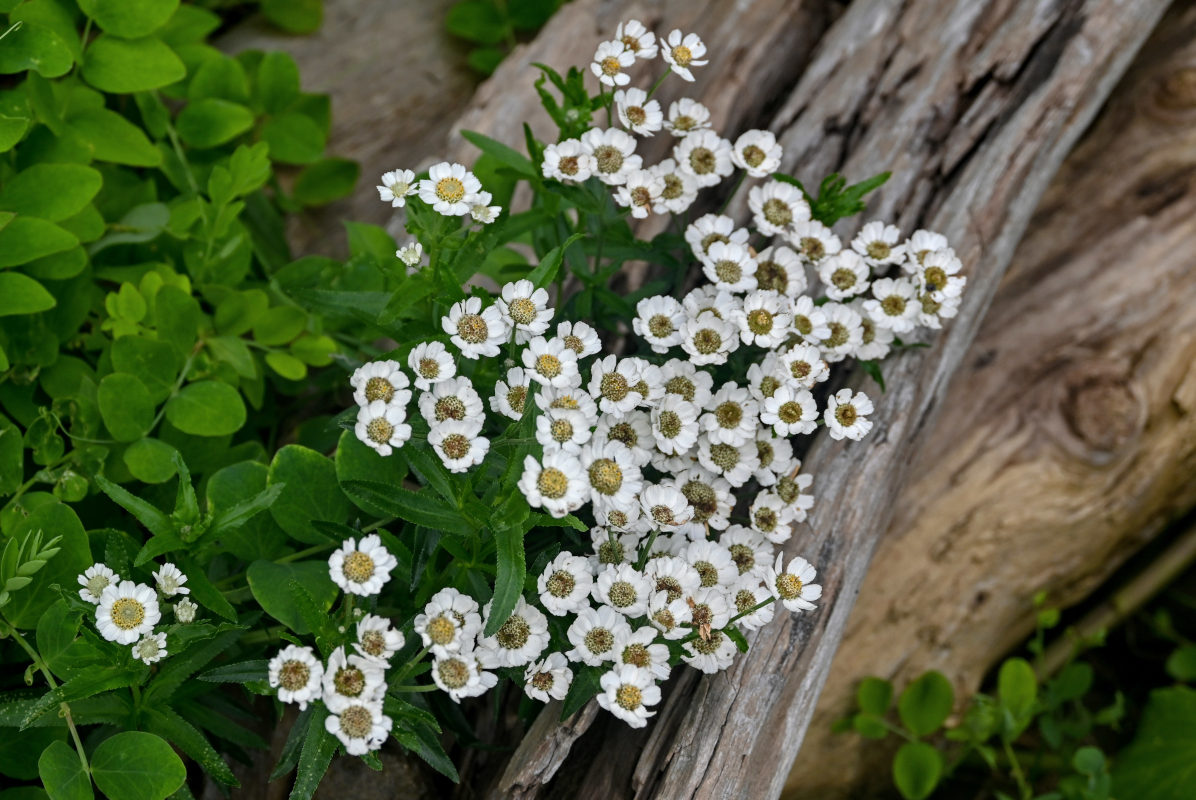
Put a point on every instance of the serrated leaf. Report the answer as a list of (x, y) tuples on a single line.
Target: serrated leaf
[(318, 748), (170, 726), (420, 508)]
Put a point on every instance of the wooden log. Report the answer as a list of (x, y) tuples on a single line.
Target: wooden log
[(1068, 439)]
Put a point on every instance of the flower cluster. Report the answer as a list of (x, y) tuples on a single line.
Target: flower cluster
[(127, 613)]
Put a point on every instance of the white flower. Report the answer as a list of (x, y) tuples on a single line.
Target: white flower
[(563, 429), (876, 341), (790, 411), (711, 654), (641, 192), (637, 113), (450, 621), (450, 189), (593, 634), (572, 399), (777, 206), (579, 337), (665, 506), (779, 269), (675, 425), (668, 616), (706, 156), (735, 463), (170, 580), (150, 648), (360, 726), (709, 608), (746, 595), (672, 575), (611, 549), (452, 400), (557, 483), (714, 565), (611, 382), (776, 457), (938, 275), (459, 674), (611, 474), (765, 320), (680, 189), (877, 244), (750, 551), (475, 331), (349, 678), (550, 362), (623, 588), (730, 267), (568, 161), (935, 309), (683, 379), (846, 332), (519, 640), (895, 306), (809, 320), (628, 692), (639, 649), (710, 497), (95, 580), (802, 366), (380, 380), (846, 415), (768, 517), (126, 612), (708, 339), (649, 380), (411, 253), (184, 611), (792, 492), (710, 228), (682, 52), (458, 444), (921, 244), (510, 396), (548, 679), (397, 186), (844, 275), (731, 418), (637, 39), (297, 674), (687, 116), (565, 584), (757, 152), (377, 639), (813, 241), (610, 59), (481, 210), (765, 377), (792, 587), (658, 322), (632, 432), (614, 155), (431, 364), (363, 568), (525, 308)]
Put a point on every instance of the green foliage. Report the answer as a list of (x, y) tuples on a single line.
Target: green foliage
[(1160, 764), (492, 27)]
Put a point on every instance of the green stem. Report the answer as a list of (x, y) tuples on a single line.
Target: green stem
[(734, 189), (643, 559), (8, 628), (178, 384), (659, 81), (428, 688), (403, 673), (752, 610), (1015, 767)]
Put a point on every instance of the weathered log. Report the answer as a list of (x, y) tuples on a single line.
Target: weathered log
[(1068, 439)]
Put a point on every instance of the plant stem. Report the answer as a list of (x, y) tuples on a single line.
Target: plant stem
[(752, 610), (659, 81), (643, 559), (734, 189), (426, 688), (64, 709), (1015, 767)]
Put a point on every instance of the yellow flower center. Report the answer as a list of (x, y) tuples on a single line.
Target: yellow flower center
[(358, 567), (379, 389), (450, 190), (552, 483), (127, 613)]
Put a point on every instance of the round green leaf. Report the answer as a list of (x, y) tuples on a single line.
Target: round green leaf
[(311, 493), (212, 122), (357, 461), (1017, 687), (916, 770), (54, 519), (295, 16), (20, 294), (279, 325), (153, 363), (294, 138), (926, 703), (259, 537), (51, 191), (325, 181), (11, 131), (220, 77), (59, 266), (206, 408), (134, 765), (1181, 664), (12, 461), (277, 82), (270, 584), (62, 773), (123, 66), (286, 365), (150, 460), (34, 47), (129, 18), (28, 238), (113, 138), (1088, 761), (125, 406), (874, 695), (17, 753)]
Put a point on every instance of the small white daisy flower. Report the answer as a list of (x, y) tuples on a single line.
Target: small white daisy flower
[(846, 332), (397, 186), (572, 399), (792, 587), (568, 161), (709, 607), (730, 267), (780, 270), (297, 675), (150, 648), (550, 362), (563, 429), (665, 506), (593, 634), (612, 549), (683, 51), (675, 425), (750, 551), (363, 568), (450, 621), (450, 189), (628, 692), (579, 337), (610, 59), (802, 366), (876, 341), (411, 253), (380, 380), (658, 322), (713, 563), (632, 431), (809, 320), (474, 330), (708, 339), (680, 188), (519, 640), (126, 612), (637, 113), (687, 116), (921, 244), (640, 649), (360, 726), (711, 654), (688, 382), (706, 156), (746, 595), (351, 678), (672, 575), (776, 206), (556, 482), (614, 155), (846, 415), (170, 580), (611, 474), (710, 228), (935, 309), (377, 638), (792, 491), (764, 378), (938, 275), (611, 382), (184, 611), (844, 275), (431, 363), (452, 400), (637, 39), (765, 320), (877, 244), (731, 415), (776, 457), (710, 497), (525, 308), (95, 580), (649, 381), (458, 444), (481, 211), (790, 411), (623, 588), (767, 516), (813, 241), (548, 679), (670, 617), (459, 674), (895, 306), (641, 192), (735, 463), (510, 396), (565, 584), (758, 152)]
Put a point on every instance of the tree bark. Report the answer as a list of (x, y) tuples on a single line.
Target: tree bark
[(1067, 440)]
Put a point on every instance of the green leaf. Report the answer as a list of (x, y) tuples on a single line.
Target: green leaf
[(123, 66), (153, 363), (311, 493), (221, 78), (1160, 764), (241, 672), (295, 16), (277, 82), (125, 406), (26, 607), (11, 131), (503, 154), (113, 138), (1017, 690), (150, 460), (270, 584), (294, 138), (149, 515), (1181, 664), (62, 773), (20, 294), (27, 238), (1088, 761), (870, 726), (318, 748), (86, 684), (51, 191), (512, 570), (206, 408), (279, 325), (926, 703), (420, 508), (422, 740), (356, 460), (203, 591), (874, 695), (476, 21), (545, 273), (917, 768), (325, 181), (259, 536), (225, 519), (134, 765), (485, 59), (12, 462), (168, 724), (142, 223), (129, 18), (286, 365), (32, 46), (212, 122), (586, 684)]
